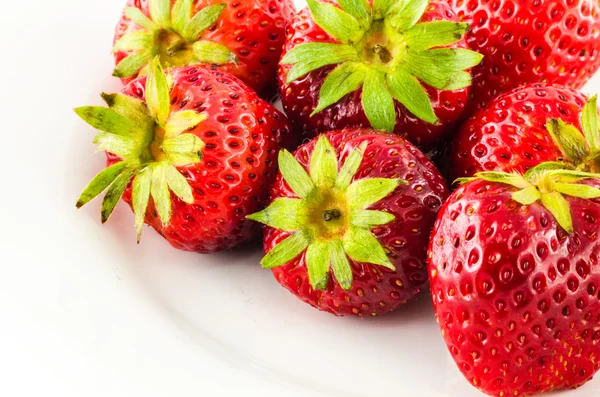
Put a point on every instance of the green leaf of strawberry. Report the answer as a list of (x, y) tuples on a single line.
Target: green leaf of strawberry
[(151, 140), (330, 219), (547, 183), (383, 49), (173, 34)]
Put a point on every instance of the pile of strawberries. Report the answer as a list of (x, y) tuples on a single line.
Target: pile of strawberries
[(357, 220)]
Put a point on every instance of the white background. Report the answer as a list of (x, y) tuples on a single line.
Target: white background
[(82, 308), (68, 325)]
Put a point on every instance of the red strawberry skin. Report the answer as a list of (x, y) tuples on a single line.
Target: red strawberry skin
[(300, 97), (242, 134), (517, 298), (254, 30), (530, 42), (375, 290), (510, 135)]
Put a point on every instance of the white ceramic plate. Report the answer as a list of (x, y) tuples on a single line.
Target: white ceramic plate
[(95, 314)]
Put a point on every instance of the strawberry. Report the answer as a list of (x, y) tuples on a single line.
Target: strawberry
[(244, 37), (192, 153), (397, 66), (358, 205), (513, 263), (528, 126), (530, 42)]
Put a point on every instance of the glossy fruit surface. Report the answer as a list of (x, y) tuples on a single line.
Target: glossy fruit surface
[(374, 289), (244, 36), (530, 41), (511, 134), (301, 97), (517, 298), (197, 175)]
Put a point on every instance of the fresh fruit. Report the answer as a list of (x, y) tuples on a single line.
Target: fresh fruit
[(528, 126), (244, 37), (399, 66), (193, 152), (530, 42), (513, 263), (349, 221)]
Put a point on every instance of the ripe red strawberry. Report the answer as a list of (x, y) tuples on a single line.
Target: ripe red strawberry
[(363, 215), (513, 263), (396, 65), (200, 150), (530, 42), (526, 127), (244, 37)]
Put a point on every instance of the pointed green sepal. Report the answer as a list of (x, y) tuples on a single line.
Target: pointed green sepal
[(366, 192), (125, 147), (589, 120), (158, 93), (340, 264), (577, 190), (533, 173), (283, 214), (407, 90), (114, 193), (323, 164), (140, 198), (137, 16), (568, 139), (527, 196), (403, 15), (203, 20), (344, 79), (294, 175), (177, 183), (336, 22), (132, 64), (427, 35), (209, 52), (515, 180), (133, 41), (559, 208), (181, 14), (129, 107), (181, 122), (380, 8), (464, 180), (350, 167), (160, 193), (368, 219), (183, 149), (160, 12), (362, 246), (285, 251), (377, 102), (317, 262), (107, 120), (312, 56), (359, 9), (443, 68), (101, 182)]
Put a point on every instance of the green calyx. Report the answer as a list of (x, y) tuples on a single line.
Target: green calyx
[(172, 34), (151, 140), (547, 183), (330, 219), (383, 49), (579, 149)]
